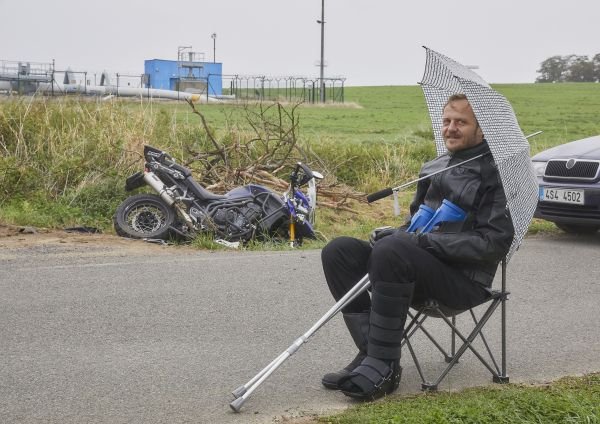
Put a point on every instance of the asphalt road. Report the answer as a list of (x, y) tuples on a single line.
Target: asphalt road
[(92, 336)]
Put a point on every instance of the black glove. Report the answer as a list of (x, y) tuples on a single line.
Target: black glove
[(379, 233)]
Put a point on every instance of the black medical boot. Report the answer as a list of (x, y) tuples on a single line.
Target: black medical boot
[(379, 373), (358, 325)]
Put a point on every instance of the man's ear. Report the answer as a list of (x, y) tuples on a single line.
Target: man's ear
[(479, 133)]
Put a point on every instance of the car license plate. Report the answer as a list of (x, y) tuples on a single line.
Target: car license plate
[(561, 195)]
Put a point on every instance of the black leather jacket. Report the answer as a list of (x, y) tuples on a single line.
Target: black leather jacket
[(479, 243)]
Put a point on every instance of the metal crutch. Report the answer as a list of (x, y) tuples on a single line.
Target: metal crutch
[(242, 393)]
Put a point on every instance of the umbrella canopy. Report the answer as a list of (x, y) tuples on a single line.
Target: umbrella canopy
[(444, 77)]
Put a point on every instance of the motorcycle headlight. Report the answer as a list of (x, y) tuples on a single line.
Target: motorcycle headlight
[(539, 168)]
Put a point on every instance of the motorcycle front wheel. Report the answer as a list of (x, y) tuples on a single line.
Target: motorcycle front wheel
[(144, 216)]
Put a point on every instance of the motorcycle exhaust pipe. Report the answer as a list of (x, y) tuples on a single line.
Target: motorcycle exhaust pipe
[(153, 181)]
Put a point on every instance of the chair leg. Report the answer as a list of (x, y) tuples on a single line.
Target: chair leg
[(467, 342), (503, 377), (415, 324), (452, 342), (429, 387)]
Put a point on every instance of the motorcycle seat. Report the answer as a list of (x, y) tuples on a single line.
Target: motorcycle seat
[(201, 192)]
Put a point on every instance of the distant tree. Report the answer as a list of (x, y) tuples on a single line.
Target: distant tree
[(571, 68), (596, 63), (552, 69), (580, 69)]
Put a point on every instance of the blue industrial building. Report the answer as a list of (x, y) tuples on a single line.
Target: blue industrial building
[(192, 75)]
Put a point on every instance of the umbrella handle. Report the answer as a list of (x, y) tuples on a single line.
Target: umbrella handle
[(373, 197)]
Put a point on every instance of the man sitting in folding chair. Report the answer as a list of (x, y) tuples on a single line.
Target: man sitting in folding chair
[(450, 260)]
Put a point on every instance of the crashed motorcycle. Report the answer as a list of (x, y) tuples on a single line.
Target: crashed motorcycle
[(182, 207)]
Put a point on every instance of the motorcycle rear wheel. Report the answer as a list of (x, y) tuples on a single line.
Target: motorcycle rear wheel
[(144, 216)]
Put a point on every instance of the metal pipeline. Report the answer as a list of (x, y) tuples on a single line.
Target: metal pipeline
[(107, 90)]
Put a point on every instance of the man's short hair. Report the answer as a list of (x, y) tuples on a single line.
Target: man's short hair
[(456, 97)]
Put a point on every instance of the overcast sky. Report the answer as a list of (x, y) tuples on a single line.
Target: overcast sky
[(376, 42)]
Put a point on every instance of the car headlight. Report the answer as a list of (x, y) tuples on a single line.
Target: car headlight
[(539, 168)]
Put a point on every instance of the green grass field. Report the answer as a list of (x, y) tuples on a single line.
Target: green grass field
[(395, 114), (63, 161)]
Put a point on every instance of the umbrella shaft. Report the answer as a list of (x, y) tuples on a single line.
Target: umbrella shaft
[(437, 172), (400, 187)]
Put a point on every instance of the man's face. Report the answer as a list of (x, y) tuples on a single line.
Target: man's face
[(459, 126)]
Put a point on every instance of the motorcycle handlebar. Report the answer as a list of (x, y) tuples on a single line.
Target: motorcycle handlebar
[(306, 177)]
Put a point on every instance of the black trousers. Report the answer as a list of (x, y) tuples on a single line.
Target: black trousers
[(396, 259)]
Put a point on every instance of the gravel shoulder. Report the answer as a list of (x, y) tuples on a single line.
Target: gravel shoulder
[(14, 240)]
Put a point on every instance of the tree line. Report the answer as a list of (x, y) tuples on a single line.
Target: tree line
[(570, 68)]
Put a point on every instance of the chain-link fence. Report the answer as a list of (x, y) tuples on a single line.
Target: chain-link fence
[(285, 88)]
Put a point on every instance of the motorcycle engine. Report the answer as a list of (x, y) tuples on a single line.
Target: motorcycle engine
[(237, 222), (200, 217)]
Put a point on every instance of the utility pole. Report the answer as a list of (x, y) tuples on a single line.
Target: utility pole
[(214, 38), (53, 68), (322, 64)]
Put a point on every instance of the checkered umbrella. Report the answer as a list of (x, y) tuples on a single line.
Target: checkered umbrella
[(444, 77)]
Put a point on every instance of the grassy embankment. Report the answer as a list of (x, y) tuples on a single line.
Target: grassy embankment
[(569, 400), (63, 161)]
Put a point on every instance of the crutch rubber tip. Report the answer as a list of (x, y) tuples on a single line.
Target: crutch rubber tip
[(239, 392), (237, 404)]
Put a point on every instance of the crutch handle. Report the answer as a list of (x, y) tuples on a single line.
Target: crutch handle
[(379, 195)]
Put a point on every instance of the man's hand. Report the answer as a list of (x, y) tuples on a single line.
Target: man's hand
[(379, 233)]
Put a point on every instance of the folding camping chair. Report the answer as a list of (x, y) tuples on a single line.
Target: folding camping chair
[(433, 309)]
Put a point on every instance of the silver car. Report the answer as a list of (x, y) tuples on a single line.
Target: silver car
[(569, 180)]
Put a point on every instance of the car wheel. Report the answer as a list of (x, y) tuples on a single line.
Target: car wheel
[(578, 228)]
